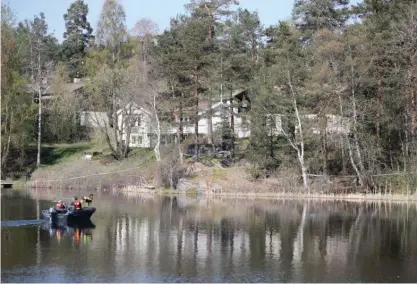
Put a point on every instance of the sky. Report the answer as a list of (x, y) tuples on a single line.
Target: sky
[(160, 11)]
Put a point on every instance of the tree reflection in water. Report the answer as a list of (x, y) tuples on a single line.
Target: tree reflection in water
[(230, 240)]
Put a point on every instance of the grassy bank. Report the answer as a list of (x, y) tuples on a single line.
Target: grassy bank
[(64, 168)]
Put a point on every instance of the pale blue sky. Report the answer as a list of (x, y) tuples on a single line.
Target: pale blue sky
[(160, 11)]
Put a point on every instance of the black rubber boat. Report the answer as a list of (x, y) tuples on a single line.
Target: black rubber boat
[(68, 215)]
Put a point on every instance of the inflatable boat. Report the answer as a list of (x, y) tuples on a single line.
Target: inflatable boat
[(68, 215)]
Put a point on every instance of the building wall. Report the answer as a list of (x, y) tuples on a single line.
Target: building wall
[(336, 124), (93, 119), (140, 134)]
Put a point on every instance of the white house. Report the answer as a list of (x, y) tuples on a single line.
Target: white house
[(140, 121), (144, 126), (93, 119), (335, 124)]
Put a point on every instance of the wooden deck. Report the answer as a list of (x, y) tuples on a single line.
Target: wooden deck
[(6, 184)]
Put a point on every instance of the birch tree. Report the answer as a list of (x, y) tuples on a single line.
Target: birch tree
[(107, 66), (43, 52), (286, 79)]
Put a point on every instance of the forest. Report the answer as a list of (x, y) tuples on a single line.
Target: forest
[(330, 92)]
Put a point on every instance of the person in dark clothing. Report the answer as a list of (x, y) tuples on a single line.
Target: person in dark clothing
[(88, 199)]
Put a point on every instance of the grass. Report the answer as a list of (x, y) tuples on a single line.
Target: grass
[(64, 161), (219, 173), (65, 152), (64, 167)]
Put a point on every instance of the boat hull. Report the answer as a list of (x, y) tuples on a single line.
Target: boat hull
[(69, 216)]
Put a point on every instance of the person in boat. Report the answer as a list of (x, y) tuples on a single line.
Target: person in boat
[(76, 203), (88, 199), (60, 206)]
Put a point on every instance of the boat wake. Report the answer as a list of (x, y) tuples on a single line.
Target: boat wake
[(21, 223)]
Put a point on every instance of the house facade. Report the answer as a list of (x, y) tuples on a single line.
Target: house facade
[(335, 124), (140, 124), (94, 119), (143, 128)]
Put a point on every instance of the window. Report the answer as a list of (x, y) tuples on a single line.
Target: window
[(185, 119), (134, 120)]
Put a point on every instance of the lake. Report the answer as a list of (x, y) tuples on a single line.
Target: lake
[(145, 238)]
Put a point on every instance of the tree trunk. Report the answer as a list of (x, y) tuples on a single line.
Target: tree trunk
[(361, 169), (115, 119), (342, 147), (254, 52), (300, 151), (303, 171), (379, 108), (158, 132), (323, 134), (271, 140), (352, 161), (210, 115), (210, 124), (180, 125), (5, 153), (38, 157), (355, 134), (412, 94), (128, 131), (196, 118), (7, 124), (232, 125)]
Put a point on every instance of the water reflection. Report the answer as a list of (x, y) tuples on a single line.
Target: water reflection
[(145, 239), (79, 234)]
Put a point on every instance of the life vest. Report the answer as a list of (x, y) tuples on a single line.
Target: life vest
[(59, 205), (77, 205)]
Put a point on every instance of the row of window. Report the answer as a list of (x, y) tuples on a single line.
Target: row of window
[(136, 139)]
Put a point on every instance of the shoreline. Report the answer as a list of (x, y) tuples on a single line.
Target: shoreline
[(354, 197), (284, 195)]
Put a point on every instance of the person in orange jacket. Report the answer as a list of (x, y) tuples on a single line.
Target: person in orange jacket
[(76, 203), (60, 205)]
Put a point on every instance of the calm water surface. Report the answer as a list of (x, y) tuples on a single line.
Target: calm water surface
[(182, 239)]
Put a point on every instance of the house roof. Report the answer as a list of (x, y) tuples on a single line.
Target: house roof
[(135, 106), (70, 87), (205, 107)]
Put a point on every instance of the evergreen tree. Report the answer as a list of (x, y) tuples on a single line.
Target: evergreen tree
[(77, 38), (312, 15)]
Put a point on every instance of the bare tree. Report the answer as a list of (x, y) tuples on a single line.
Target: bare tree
[(297, 144), (145, 29)]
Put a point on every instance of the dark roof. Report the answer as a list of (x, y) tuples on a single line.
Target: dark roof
[(71, 87)]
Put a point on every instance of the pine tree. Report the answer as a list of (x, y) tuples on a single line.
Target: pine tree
[(77, 38)]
